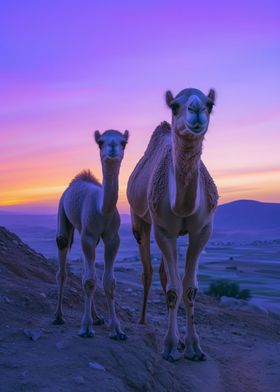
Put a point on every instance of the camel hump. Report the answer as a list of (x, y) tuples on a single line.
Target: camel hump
[(143, 174), (86, 176), (158, 137), (210, 187)]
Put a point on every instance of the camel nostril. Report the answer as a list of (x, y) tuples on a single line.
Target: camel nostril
[(113, 150)]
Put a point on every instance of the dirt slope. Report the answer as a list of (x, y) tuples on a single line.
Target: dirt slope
[(243, 348)]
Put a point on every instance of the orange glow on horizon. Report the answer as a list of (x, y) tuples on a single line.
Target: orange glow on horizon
[(257, 185)]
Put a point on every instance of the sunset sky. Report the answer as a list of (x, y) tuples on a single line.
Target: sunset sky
[(70, 67)]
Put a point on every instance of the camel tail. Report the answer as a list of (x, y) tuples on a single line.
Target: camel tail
[(65, 229)]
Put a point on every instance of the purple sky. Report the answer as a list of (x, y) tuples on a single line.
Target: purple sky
[(70, 67)]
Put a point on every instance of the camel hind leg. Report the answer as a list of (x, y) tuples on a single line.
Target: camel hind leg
[(141, 232), (64, 239)]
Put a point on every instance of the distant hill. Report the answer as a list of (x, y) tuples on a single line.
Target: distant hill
[(237, 221), (247, 220)]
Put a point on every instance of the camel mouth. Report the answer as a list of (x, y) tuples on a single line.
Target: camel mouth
[(113, 158), (196, 129)]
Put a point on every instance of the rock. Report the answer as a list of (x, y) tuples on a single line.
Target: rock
[(78, 379), (254, 308), (6, 299), (230, 302), (33, 333), (97, 366), (149, 366), (241, 304), (129, 309), (23, 376), (123, 269), (59, 345)]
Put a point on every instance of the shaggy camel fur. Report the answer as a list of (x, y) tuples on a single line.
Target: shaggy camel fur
[(90, 207), (171, 188)]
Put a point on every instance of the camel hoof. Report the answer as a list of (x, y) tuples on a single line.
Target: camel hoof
[(118, 335), (171, 356), (86, 332), (181, 345), (99, 321), (58, 321), (195, 354), (193, 358), (202, 357)]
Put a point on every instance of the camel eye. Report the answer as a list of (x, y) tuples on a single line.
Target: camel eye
[(123, 143), (209, 105), (100, 144), (175, 106)]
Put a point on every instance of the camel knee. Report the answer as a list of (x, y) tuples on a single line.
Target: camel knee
[(61, 275), (89, 286), (171, 299), (109, 285), (173, 296), (189, 295), (61, 242)]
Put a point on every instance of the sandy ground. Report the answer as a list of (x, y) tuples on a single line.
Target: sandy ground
[(243, 348)]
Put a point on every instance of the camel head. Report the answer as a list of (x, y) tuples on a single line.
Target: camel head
[(190, 111), (111, 144)]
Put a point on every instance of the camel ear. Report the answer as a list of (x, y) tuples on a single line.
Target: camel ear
[(97, 136), (169, 98), (211, 100), (212, 95), (126, 135)]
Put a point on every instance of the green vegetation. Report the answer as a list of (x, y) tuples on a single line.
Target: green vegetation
[(223, 287)]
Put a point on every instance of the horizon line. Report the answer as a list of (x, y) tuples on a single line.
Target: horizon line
[(12, 209)]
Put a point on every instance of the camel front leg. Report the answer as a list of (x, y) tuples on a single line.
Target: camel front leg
[(111, 247), (167, 245), (97, 320), (163, 281), (197, 242), (89, 283)]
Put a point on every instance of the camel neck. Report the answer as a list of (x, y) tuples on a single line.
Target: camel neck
[(186, 153), (110, 187)]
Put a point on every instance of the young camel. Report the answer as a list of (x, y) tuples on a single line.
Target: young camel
[(171, 188), (90, 207)]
